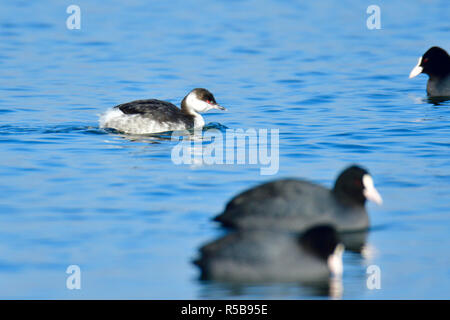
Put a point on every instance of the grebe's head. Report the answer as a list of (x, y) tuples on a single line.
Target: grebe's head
[(199, 100), (355, 185), (435, 63)]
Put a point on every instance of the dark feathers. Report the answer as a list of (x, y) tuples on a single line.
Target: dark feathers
[(161, 111)]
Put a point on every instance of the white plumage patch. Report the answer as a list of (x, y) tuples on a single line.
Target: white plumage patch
[(136, 123), (197, 105)]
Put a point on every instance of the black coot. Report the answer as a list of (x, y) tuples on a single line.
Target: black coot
[(436, 64), (297, 205)]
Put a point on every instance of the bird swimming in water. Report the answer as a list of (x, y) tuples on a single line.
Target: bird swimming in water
[(155, 116)]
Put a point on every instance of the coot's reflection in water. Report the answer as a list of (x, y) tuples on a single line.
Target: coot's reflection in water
[(328, 289)]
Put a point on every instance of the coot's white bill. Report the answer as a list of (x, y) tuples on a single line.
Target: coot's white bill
[(369, 190), (417, 69)]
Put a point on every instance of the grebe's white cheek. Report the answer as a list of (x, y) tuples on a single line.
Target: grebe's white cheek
[(196, 104), (201, 106)]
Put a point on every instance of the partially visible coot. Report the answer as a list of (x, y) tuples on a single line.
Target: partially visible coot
[(268, 256), (297, 205), (436, 64)]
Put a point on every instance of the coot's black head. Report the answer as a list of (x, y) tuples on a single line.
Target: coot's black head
[(200, 100), (323, 242), (354, 186), (435, 63)]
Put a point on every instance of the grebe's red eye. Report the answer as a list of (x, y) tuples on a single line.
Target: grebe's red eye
[(425, 60)]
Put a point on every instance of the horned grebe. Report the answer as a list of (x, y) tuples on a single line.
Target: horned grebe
[(436, 64), (296, 205), (153, 116)]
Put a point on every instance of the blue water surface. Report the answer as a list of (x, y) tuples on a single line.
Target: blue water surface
[(132, 220)]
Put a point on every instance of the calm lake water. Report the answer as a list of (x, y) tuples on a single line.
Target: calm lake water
[(132, 220)]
